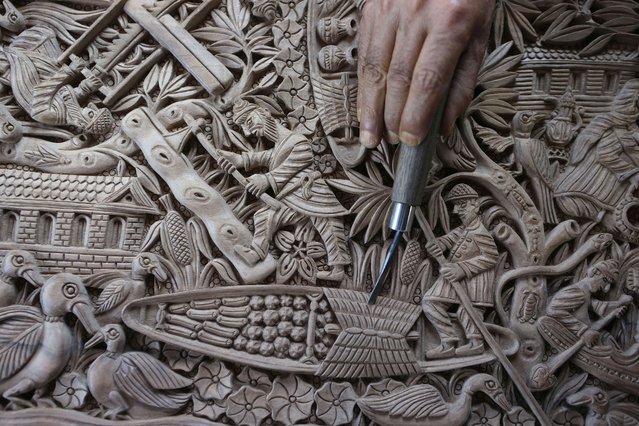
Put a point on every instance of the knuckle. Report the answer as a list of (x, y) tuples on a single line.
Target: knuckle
[(398, 76), (372, 73), (427, 80)]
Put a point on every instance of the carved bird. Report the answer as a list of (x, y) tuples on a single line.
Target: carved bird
[(119, 288), (424, 405), (600, 412), (11, 19), (134, 383), (18, 264), (36, 345), (531, 155)]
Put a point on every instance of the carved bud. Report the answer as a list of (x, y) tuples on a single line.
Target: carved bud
[(332, 58), (410, 262), (331, 29), (175, 238), (264, 9)]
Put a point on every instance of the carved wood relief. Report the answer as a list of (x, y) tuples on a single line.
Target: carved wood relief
[(190, 227)]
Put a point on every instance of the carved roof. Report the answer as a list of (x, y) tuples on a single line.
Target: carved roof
[(537, 53), (21, 188)]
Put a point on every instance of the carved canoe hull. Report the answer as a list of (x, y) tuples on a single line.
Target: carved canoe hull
[(305, 330), (611, 366)]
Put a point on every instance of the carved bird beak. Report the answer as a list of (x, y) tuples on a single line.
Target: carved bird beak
[(160, 274), (33, 277), (578, 399), (502, 401), (84, 311), (538, 116), (97, 338)]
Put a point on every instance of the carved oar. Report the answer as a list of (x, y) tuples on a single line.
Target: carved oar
[(544, 373), (492, 343)]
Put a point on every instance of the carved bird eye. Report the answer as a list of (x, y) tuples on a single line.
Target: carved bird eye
[(18, 260), (9, 127), (13, 17), (490, 384), (113, 333), (70, 290), (146, 261), (600, 396)]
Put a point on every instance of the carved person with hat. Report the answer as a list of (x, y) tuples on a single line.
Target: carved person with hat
[(292, 180), (471, 261), (572, 304)]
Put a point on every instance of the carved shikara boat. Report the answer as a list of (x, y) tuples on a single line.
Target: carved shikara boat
[(307, 330), (617, 368)]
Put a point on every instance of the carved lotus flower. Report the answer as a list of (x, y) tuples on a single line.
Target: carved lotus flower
[(298, 256), (294, 92), (287, 33), (291, 399), (71, 390), (247, 406), (568, 417), (293, 9), (209, 408), (181, 359), (335, 403), (384, 387), (518, 417), (254, 378), (484, 414), (303, 120), (327, 164), (213, 380), (289, 62)]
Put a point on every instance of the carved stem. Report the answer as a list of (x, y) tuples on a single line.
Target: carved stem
[(515, 245), (565, 231)]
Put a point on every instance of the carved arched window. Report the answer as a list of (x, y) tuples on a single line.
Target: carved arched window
[(80, 231), (115, 232), (46, 229), (9, 226)]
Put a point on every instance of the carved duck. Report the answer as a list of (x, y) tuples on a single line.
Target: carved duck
[(119, 289), (424, 405), (532, 156), (600, 413), (36, 345), (134, 383), (18, 264)]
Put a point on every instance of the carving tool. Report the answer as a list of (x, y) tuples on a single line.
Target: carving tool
[(408, 191)]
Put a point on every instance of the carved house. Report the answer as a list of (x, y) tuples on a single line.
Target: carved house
[(76, 224), (594, 80)]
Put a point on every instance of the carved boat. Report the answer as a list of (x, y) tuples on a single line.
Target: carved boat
[(619, 369), (306, 330)]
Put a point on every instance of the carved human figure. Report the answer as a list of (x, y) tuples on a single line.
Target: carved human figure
[(604, 160), (44, 90), (293, 182), (471, 260), (571, 305)]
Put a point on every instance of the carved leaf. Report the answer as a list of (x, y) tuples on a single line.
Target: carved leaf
[(166, 74), (570, 34), (238, 14), (597, 45), (230, 61), (226, 271), (151, 81), (128, 102)]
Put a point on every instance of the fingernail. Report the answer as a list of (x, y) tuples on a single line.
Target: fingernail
[(367, 139), (409, 138), (393, 137)]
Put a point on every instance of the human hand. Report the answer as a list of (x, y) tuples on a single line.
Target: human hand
[(410, 52), (452, 272), (434, 249), (229, 161), (257, 184)]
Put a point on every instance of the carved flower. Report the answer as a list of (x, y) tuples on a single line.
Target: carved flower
[(298, 256), (144, 343), (319, 145), (289, 62), (71, 390), (181, 359), (335, 403), (213, 380), (384, 387), (484, 414), (211, 408), (518, 417), (255, 378), (568, 417), (293, 9), (290, 400), (327, 164), (247, 406), (294, 92), (287, 33), (303, 120)]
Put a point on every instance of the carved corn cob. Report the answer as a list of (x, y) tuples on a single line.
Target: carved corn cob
[(410, 262), (176, 242)]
